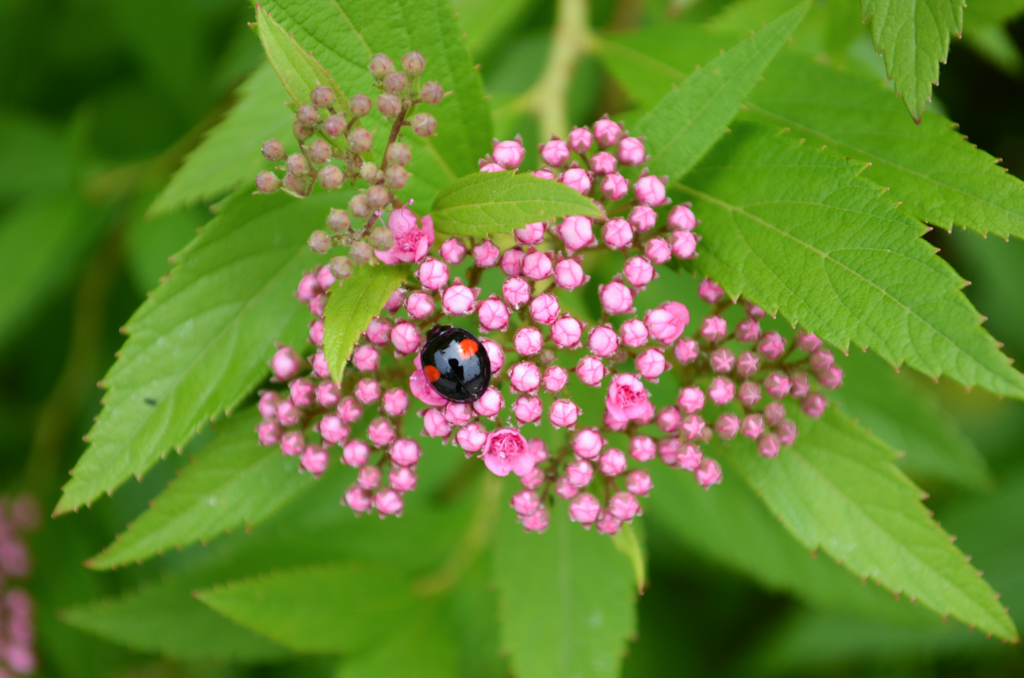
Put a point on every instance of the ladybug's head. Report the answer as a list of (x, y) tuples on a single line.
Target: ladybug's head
[(436, 330)]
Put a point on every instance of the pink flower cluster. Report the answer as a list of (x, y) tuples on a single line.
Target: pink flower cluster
[(17, 626), (736, 378)]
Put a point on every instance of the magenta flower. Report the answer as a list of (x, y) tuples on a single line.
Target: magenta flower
[(506, 452), (627, 398), (411, 241)]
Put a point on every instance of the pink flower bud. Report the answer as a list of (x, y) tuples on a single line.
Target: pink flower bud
[(643, 218), (771, 345), (721, 391), (649, 190), (405, 452), (537, 521), (458, 414), (528, 409), (525, 502), (419, 305), (288, 413), (608, 524), (579, 473), (358, 499), (566, 332), (368, 477), (832, 378), (777, 384), (623, 506), (617, 233), (530, 234), (590, 371), (493, 314), (544, 309), (308, 288), (750, 393), (395, 301), (269, 400), (314, 460), (563, 413), (402, 479), (458, 299), (657, 250), (634, 333), (576, 232), (292, 443), (516, 292), (490, 403), (388, 502), (774, 413), (435, 425), (632, 152), (688, 457), (686, 350), (752, 426), (333, 430), (638, 272), (533, 479), (453, 251), (607, 132), (603, 163), (691, 399), (316, 332), (616, 298), (814, 405), (524, 377), (471, 438), (807, 342), (667, 322), (748, 330), (349, 410), (508, 154), (380, 432), (318, 305), (544, 173), (603, 341), (642, 448), (286, 364), (584, 509), (421, 388), (580, 139), (787, 432), (496, 354), (555, 378), (684, 245), (768, 445), (692, 426), (406, 338), (613, 463), (708, 473), (432, 274), (355, 453), (367, 391), (753, 310), (577, 179), (714, 328), (722, 360), (727, 426), (486, 254), (512, 262), (528, 341), (325, 278), (565, 489), (588, 443), (651, 364), (681, 218), (395, 402), (799, 385), (268, 432), (555, 152), (710, 291), (537, 265), (366, 358), (747, 364), (614, 186), (639, 483), (538, 449), (569, 274)]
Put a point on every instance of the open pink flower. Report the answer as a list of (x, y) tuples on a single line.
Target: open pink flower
[(411, 242), (506, 451), (627, 398)]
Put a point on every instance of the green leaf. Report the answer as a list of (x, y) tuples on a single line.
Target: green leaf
[(910, 419), (329, 608), (730, 526), (201, 342), (500, 202), (422, 648), (43, 240), (343, 35), (836, 489), (994, 11), (299, 71), (937, 175), (914, 36), (233, 481), (566, 600), (691, 118), (164, 618), (229, 156), (627, 543), (353, 303), (799, 231)]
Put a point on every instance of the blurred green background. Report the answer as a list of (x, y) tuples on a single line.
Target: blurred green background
[(99, 102)]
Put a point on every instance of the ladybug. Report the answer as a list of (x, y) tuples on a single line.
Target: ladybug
[(456, 364)]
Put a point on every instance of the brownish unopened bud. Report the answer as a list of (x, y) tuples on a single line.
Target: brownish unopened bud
[(308, 115), (322, 97), (299, 184), (335, 126), (424, 125), (273, 150), (360, 140), (341, 267), (395, 82), (267, 182), (359, 105), (432, 92), (398, 154), (297, 164), (413, 63), (300, 131), (319, 151), (389, 105), (381, 65), (338, 220), (319, 242), (331, 177), (368, 171), (359, 254), (360, 206), (381, 238), (378, 196), (396, 177)]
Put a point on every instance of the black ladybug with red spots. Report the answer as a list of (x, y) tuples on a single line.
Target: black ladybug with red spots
[(456, 364)]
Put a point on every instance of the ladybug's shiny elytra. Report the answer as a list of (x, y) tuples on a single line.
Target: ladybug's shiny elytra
[(456, 364)]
